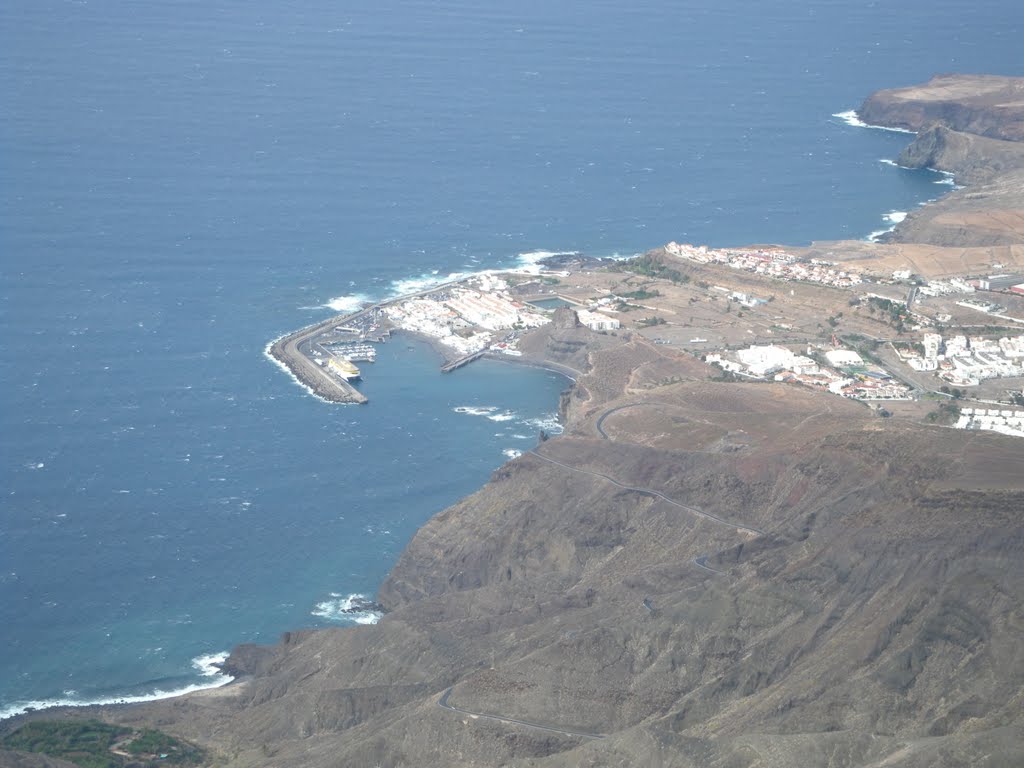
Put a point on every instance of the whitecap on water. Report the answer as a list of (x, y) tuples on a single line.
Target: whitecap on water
[(475, 410), (206, 665), (851, 118), (351, 303), (425, 282), (530, 261), (549, 424), (503, 416), (354, 608), (893, 218)]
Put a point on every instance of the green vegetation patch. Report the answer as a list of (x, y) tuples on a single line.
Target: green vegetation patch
[(92, 744), (641, 294), (947, 413), (651, 267)]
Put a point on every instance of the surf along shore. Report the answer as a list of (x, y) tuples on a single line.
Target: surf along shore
[(549, 607), (489, 320)]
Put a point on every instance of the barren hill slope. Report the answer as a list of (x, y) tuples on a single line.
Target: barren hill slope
[(697, 573), (710, 574)]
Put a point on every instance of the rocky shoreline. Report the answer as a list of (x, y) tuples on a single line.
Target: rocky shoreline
[(736, 574)]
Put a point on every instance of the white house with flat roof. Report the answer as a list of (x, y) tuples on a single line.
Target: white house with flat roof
[(842, 358)]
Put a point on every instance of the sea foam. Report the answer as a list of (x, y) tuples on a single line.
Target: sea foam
[(894, 218), (474, 410), (206, 665), (549, 422), (530, 261), (287, 370), (346, 608), (427, 281), (850, 118), (349, 303)]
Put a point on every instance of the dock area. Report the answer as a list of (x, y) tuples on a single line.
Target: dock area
[(464, 319), (294, 352), (461, 361)]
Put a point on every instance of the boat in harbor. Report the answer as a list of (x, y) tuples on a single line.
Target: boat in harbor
[(342, 368)]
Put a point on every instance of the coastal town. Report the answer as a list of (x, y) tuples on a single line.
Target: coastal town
[(888, 338)]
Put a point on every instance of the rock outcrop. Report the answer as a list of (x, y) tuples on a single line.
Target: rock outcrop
[(697, 573), (973, 127), (707, 574), (985, 105), (973, 159)]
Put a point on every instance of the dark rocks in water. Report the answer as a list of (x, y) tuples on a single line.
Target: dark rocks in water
[(875, 620), (868, 610), (362, 605), (574, 261)]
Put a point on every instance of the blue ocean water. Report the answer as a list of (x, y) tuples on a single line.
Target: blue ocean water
[(183, 182)]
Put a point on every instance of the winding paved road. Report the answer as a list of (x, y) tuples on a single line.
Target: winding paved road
[(443, 703), (600, 421)]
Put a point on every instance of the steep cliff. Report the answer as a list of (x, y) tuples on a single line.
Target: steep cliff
[(971, 126), (699, 573), (985, 105)]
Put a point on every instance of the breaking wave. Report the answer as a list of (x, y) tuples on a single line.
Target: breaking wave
[(893, 218), (354, 608), (474, 410), (850, 117), (549, 422), (427, 281), (349, 303), (207, 666), (530, 261)]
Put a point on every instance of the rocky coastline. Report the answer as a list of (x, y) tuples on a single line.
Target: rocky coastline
[(973, 127), (735, 574)]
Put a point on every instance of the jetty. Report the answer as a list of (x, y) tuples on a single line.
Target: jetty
[(292, 351), (457, 318), (459, 362)]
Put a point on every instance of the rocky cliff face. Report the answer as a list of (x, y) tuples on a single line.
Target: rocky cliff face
[(698, 573), (973, 159), (971, 126), (984, 105)]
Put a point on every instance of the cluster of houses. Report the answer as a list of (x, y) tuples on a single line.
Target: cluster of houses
[(967, 361), (1008, 422), (846, 374), (768, 262), (465, 317)]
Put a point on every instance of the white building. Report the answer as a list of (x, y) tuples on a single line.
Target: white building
[(595, 321), (762, 360), (841, 358)]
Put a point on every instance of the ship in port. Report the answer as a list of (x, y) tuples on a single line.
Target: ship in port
[(343, 368)]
